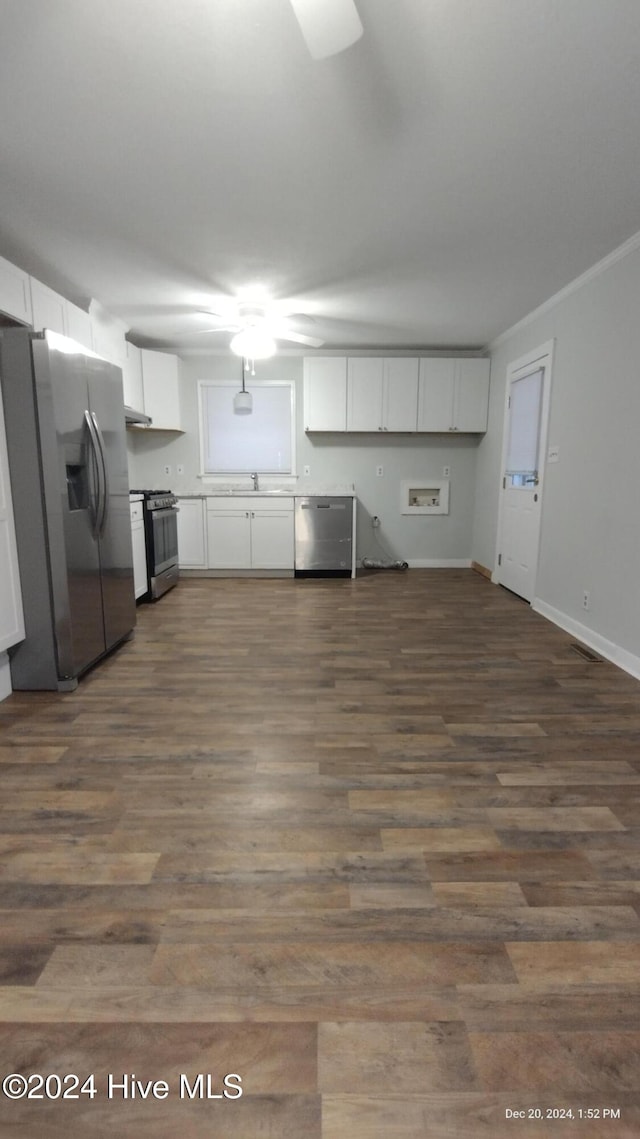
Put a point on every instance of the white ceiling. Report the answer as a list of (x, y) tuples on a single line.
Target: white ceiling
[(426, 188)]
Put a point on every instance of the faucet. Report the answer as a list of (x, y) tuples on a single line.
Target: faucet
[(254, 476)]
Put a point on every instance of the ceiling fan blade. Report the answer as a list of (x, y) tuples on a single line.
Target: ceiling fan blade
[(328, 26), (200, 331), (298, 338)]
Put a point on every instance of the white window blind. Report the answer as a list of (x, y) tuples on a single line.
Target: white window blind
[(239, 444), (524, 424)]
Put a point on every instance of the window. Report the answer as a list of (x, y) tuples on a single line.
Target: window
[(263, 441)]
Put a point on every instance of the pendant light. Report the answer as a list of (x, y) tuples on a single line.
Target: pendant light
[(243, 400)]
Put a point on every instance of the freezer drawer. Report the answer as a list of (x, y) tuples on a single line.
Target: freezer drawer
[(323, 535)]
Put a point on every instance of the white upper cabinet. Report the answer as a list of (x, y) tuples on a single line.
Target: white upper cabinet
[(78, 324), (472, 395), (132, 378), (382, 393), (325, 393), (11, 616), (15, 292), (108, 335), (453, 394), (160, 385), (49, 308), (364, 393), (400, 393)]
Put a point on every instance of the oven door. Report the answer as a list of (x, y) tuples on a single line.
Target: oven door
[(164, 539)]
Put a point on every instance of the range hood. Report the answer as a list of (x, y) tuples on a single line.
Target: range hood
[(136, 418)]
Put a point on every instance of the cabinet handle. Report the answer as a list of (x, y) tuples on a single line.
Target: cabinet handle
[(246, 513), (253, 513)]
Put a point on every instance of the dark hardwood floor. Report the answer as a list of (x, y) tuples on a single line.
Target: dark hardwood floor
[(374, 846)]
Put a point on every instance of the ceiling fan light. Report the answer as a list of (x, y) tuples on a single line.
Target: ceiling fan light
[(328, 26), (253, 343)]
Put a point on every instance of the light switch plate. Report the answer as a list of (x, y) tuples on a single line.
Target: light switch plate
[(446, 471), (553, 455), (167, 469)]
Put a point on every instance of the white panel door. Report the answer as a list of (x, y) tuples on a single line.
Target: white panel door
[(11, 616), (400, 397), (364, 393), (526, 414)]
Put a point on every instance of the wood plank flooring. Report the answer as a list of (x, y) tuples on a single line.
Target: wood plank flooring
[(374, 846)]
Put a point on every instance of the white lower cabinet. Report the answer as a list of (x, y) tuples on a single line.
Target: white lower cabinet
[(192, 535), (250, 533), (139, 549)]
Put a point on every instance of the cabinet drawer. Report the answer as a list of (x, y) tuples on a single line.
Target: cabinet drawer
[(253, 503)]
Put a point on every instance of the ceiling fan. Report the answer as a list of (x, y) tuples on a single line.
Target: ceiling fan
[(328, 26), (256, 329)]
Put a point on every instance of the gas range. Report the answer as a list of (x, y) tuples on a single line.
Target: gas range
[(160, 514), (157, 499)]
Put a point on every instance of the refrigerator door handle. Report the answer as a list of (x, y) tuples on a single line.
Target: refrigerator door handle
[(105, 476), (97, 512)]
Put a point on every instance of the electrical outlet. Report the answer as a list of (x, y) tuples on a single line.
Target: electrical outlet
[(586, 599), (446, 471), (307, 471), (167, 469), (380, 472), (179, 469), (375, 522)]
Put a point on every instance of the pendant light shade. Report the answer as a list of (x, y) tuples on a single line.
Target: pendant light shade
[(243, 400)]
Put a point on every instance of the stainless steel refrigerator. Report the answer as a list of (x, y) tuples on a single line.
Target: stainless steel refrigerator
[(64, 412)]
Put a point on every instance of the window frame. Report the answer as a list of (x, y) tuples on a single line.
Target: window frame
[(233, 386)]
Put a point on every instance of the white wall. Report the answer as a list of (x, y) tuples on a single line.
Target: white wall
[(335, 459), (590, 536)]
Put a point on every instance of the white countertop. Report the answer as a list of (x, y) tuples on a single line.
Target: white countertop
[(303, 489)]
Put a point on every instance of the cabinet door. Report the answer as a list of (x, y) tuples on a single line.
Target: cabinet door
[(132, 378), (229, 539), (78, 323), (364, 393), (140, 584), (400, 394), (49, 308), (272, 539), (325, 393), (160, 387), (435, 394), (11, 616), (191, 533), (472, 395), (15, 292)]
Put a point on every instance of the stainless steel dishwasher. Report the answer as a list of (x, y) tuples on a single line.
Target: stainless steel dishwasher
[(323, 536)]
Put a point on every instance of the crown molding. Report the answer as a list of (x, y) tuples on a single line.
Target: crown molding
[(596, 270)]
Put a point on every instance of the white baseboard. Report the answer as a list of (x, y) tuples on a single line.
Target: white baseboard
[(624, 660), (5, 677), (439, 563)]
